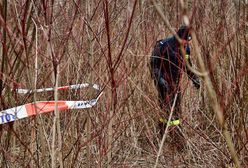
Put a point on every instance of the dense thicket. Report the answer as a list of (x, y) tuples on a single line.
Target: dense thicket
[(109, 43)]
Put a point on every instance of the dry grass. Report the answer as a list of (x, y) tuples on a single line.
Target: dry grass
[(102, 42)]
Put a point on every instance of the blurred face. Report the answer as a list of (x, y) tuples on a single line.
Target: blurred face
[(188, 41)]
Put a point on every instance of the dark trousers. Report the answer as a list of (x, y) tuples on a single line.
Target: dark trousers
[(167, 94)]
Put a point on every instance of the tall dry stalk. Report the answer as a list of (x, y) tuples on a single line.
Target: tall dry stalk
[(165, 131), (113, 84)]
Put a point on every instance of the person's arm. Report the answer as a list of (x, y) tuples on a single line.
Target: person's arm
[(194, 78), (155, 62)]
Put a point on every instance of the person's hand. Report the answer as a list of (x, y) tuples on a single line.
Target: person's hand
[(196, 83)]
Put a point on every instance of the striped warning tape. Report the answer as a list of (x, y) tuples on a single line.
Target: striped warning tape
[(40, 107), (78, 86)]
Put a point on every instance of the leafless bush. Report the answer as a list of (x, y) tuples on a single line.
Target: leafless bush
[(109, 42)]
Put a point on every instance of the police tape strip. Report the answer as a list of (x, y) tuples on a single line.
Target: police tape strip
[(40, 107), (77, 86)]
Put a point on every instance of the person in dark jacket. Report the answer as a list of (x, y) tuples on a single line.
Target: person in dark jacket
[(166, 65)]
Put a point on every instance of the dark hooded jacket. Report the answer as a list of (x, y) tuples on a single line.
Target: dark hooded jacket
[(167, 60)]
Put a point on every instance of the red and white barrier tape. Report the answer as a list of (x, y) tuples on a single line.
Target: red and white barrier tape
[(78, 86), (40, 107)]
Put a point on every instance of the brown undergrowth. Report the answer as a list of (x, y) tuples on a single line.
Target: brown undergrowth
[(109, 43)]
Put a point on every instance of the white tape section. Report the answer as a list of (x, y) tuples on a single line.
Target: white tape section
[(77, 86)]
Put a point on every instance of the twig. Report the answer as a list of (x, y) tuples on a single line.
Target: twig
[(166, 130)]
